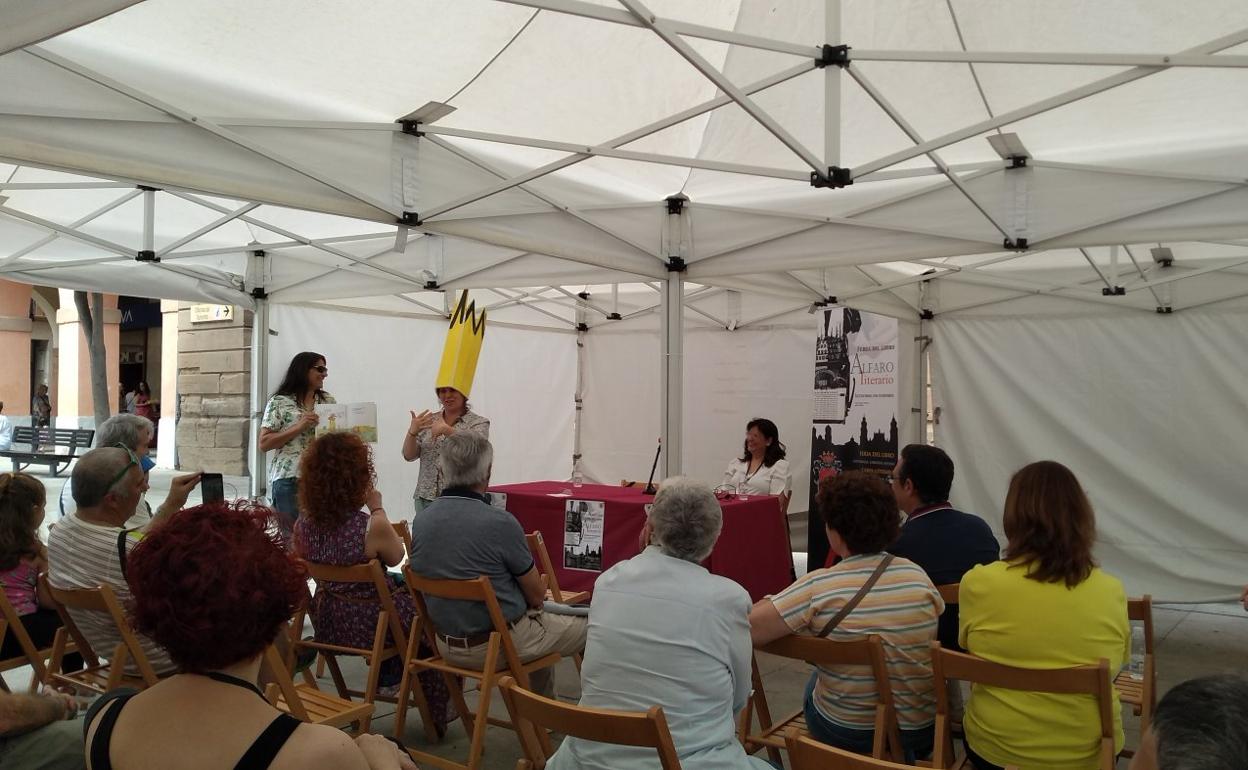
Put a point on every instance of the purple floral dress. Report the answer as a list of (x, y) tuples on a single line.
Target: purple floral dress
[(346, 613)]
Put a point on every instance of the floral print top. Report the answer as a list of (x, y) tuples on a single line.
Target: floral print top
[(429, 484), (279, 414)]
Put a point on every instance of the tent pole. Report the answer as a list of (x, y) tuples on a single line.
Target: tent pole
[(920, 349), (673, 327), (582, 327), (832, 88), (259, 376)]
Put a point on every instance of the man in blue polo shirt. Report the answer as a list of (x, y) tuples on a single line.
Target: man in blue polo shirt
[(944, 541)]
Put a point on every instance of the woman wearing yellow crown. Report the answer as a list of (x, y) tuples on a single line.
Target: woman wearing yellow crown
[(428, 428)]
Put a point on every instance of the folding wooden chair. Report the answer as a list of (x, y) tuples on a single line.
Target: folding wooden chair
[(499, 649), (537, 544), (1141, 693), (827, 652), (308, 703), (533, 715), (1079, 680), (31, 655), (388, 620), (806, 753), (404, 531), (97, 676), (949, 592)]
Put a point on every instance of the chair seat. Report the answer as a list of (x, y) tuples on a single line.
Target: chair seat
[(1130, 691), (96, 679), (326, 708), (439, 663), (572, 597), (774, 735)]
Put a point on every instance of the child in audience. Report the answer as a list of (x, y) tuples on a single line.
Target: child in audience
[(22, 558)]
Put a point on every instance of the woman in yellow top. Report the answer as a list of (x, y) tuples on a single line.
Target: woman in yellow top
[(1047, 605)]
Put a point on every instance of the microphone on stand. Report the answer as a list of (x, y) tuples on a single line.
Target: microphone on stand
[(650, 490)]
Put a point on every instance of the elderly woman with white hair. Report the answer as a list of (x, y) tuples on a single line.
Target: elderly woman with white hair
[(126, 430), (664, 631)]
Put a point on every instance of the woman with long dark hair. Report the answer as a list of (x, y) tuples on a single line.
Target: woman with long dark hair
[(761, 469), (289, 425), (1046, 605)]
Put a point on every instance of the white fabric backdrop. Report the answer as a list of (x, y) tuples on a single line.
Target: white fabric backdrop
[(525, 382), (1148, 411)]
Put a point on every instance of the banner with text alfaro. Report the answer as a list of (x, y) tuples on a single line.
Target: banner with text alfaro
[(855, 405)]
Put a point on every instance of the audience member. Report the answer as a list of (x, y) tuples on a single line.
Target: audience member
[(944, 541), (1201, 724), (22, 559), (129, 431), (686, 650), (336, 480), (214, 588), (40, 732), (6, 430), (86, 549), (460, 536), (1047, 605), (895, 601)]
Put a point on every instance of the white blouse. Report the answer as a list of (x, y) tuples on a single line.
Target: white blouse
[(764, 481)]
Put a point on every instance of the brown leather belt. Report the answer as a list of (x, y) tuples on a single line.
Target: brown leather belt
[(469, 641)]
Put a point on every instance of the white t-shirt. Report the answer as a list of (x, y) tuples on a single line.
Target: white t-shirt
[(6, 433), (764, 481)]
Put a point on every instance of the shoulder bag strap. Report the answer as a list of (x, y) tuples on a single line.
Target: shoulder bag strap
[(853, 602), (121, 549)]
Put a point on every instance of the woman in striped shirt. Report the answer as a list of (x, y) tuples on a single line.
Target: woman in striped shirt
[(902, 608)]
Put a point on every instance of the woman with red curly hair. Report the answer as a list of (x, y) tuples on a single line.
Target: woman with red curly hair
[(869, 592), (336, 482), (214, 588)]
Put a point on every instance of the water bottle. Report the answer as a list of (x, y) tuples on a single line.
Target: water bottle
[(578, 478), (1136, 667)]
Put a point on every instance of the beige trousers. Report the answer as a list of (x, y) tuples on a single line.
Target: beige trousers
[(534, 635)]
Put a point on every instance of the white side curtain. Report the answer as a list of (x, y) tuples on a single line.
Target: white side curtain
[(524, 383), (1147, 410)]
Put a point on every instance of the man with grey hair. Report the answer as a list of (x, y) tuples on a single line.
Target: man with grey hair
[(665, 631), (460, 536), (130, 431), (86, 549), (1201, 724)]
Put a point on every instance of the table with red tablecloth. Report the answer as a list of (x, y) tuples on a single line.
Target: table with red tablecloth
[(753, 548)]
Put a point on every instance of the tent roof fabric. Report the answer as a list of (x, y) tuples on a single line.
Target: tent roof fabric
[(200, 134)]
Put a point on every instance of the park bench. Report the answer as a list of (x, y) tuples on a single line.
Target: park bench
[(39, 440)]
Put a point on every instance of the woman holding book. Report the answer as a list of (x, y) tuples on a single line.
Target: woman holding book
[(288, 426)]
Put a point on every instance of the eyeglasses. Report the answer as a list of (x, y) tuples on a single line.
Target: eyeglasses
[(134, 460), (321, 369), (890, 478)]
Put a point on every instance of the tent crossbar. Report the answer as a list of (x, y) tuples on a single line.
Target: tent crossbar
[(1044, 105), (359, 269), (63, 186), (224, 220), (1213, 301), (795, 278), (704, 292), (909, 130), (937, 187), (1142, 274), (1092, 263), (770, 316), (68, 232), (1062, 238), (102, 210), (59, 264), (275, 246), (723, 83), (889, 285), (547, 199), (200, 276), (418, 303), (1151, 174), (447, 281), (581, 301), (1072, 58), (218, 131), (523, 303), (863, 270), (713, 319), (590, 11), (1067, 291), (1150, 284)]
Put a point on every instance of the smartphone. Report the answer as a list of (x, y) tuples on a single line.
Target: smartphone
[(212, 487)]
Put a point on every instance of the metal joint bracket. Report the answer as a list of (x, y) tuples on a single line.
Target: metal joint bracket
[(676, 203), (582, 327), (1015, 245), (836, 177), (926, 315), (676, 265), (1017, 161), (146, 255), (146, 188), (432, 286), (583, 295), (1116, 291), (410, 218), (830, 55), (1165, 310), (410, 127), (259, 293), (614, 317), (258, 253)]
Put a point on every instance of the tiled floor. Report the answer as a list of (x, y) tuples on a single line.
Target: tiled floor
[(1192, 640)]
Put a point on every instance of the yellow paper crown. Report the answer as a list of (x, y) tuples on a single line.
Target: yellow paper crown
[(463, 347)]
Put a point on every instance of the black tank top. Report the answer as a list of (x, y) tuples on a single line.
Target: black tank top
[(257, 757)]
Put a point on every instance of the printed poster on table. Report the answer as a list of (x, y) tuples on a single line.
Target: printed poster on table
[(582, 534), (855, 404)]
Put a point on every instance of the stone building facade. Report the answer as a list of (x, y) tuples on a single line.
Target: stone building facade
[(214, 376)]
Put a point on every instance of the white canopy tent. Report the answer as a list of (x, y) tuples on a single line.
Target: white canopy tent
[(960, 162)]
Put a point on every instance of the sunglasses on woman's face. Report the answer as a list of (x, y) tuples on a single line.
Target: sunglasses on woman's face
[(321, 369)]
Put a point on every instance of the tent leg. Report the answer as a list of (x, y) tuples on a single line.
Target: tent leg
[(582, 329), (259, 391), (673, 327)]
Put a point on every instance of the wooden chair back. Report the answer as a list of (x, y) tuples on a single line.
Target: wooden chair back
[(404, 531), (306, 702), (949, 592), (1091, 680), (806, 753), (372, 573), (537, 544), (100, 599), (531, 712), (11, 625), (1141, 610)]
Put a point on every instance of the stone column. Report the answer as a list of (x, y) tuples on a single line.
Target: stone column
[(75, 406), (15, 329), (214, 374)]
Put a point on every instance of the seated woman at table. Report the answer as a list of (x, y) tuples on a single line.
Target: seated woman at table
[(761, 469), (1046, 605), (663, 630), (336, 482), (902, 607)]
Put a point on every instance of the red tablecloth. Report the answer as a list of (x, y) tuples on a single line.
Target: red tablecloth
[(753, 548)]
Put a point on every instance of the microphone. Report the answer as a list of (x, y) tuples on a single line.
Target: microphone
[(650, 490)]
